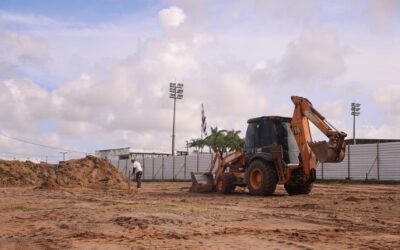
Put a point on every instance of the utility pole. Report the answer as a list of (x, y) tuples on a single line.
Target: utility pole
[(175, 92), (63, 153), (355, 111)]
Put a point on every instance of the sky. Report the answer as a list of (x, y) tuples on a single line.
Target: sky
[(89, 75)]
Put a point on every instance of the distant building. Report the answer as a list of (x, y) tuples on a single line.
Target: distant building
[(370, 141), (125, 154), (121, 157)]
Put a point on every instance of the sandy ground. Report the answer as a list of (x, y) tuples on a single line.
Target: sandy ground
[(166, 216)]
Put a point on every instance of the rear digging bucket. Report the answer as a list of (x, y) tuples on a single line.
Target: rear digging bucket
[(327, 152), (201, 182)]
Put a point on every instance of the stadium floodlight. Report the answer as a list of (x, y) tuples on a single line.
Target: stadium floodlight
[(355, 111), (175, 92)]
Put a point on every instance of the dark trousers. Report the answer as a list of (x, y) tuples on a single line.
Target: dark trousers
[(139, 179)]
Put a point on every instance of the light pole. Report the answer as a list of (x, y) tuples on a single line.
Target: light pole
[(355, 111), (175, 92), (64, 153)]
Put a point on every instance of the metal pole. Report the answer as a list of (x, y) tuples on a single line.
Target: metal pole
[(348, 163), (173, 168), (354, 128), (184, 169), (377, 161), (162, 168), (126, 167), (152, 168), (143, 166), (355, 111), (173, 128)]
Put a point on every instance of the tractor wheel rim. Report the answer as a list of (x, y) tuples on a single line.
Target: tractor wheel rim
[(256, 178), (219, 184)]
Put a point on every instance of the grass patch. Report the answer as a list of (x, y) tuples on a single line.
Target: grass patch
[(13, 207), (22, 207)]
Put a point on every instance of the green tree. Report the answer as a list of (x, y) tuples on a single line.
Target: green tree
[(197, 143), (222, 140), (233, 141)]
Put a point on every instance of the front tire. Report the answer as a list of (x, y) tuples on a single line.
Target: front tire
[(225, 183), (261, 178)]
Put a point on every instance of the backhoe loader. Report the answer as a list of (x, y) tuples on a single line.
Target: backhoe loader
[(278, 150)]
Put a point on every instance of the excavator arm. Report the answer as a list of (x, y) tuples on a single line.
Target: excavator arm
[(311, 152)]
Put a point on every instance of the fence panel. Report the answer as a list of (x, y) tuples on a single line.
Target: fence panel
[(191, 161), (147, 165), (380, 161), (168, 167), (363, 159), (179, 167), (334, 170), (158, 164), (389, 161)]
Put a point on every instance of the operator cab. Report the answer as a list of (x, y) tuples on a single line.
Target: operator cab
[(266, 131)]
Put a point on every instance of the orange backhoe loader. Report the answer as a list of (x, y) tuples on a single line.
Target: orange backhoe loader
[(278, 150)]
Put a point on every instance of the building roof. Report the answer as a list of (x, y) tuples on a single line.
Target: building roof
[(369, 141)]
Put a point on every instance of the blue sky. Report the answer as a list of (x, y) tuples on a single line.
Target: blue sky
[(88, 75), (88, 11)]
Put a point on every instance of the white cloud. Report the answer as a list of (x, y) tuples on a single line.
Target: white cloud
[(388, 99), (114, 86), (261, 65), (316, 54), (377, 132), (28, 19), (171, 17), (202, 39), (16, 47), (22, 103), (384, 12)]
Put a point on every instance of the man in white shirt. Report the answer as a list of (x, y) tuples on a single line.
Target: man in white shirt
[(137, 168)]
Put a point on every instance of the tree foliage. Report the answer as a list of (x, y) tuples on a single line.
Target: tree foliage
[(223, 140)]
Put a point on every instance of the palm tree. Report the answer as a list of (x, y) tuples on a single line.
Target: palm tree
[(233, 141), (220, 140), (216, 140), (197, 143)]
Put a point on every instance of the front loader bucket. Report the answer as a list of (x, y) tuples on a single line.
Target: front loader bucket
[(327, 151), (201, 182)]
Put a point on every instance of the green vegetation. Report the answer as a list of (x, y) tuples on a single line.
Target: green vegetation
[(223, 140), (11, 207)]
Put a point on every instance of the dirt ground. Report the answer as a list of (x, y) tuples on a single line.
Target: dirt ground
[(167, 216)]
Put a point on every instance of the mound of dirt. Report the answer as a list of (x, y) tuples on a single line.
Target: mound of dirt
[(18, 173), (90, 171)]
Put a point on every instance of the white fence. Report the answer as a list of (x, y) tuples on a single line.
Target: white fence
[(365, 161), (168, 167)]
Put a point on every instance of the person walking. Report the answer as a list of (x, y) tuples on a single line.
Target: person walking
[(137, 168)]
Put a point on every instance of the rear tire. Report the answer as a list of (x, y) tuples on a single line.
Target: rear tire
[(299, 189), (225, 184), (261, 178)]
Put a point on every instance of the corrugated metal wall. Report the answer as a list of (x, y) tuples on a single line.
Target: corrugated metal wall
[(372, 161), (365, 161)]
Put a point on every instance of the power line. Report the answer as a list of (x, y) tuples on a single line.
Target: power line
[(28, 155), (42, 145)]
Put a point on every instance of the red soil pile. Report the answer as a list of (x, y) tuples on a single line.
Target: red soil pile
[(90, 171)]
